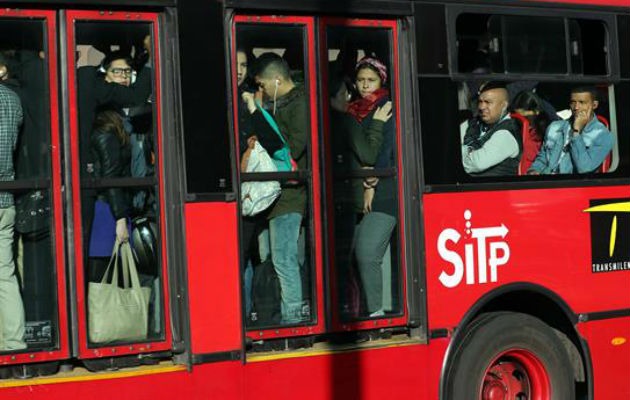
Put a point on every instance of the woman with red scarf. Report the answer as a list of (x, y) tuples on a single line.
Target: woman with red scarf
[(371, 138)]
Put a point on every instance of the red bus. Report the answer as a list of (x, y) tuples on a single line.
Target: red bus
[(322, 200)]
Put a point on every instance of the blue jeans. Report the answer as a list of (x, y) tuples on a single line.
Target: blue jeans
[(284, 233)]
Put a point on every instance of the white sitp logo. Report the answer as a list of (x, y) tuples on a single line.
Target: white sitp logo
[(486, 239)]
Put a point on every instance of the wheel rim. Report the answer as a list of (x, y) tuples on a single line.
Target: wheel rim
[(515, 375)]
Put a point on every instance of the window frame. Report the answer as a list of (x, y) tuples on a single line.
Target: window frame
[(609, 21), (78, 293), (318, 322), (614, 77), (337, 324), (61, 350)]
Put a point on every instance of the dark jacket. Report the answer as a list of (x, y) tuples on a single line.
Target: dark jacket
[(94, 92), (112, 160), (255, 125), (292, 119), (473, 139), (372, 143)]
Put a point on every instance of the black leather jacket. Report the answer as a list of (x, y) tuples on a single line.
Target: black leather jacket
[(112, 160)]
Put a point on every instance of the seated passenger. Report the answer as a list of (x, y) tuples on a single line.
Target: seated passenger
[(491, 141), (530, 106), (579, 144)]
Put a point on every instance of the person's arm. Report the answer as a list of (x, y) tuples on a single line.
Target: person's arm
[(298, 129), (540, 162), (500, 146), (587, 159), (365, 142), (264, 133), (124, 96)]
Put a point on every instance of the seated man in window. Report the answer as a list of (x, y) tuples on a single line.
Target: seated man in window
[(577, 145), (491, 141)]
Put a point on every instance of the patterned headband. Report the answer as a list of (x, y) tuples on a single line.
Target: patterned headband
[(374, 63)]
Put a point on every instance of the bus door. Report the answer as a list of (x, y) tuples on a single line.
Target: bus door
[(362, 169), (114, 168), (274, 92), (33, 327)]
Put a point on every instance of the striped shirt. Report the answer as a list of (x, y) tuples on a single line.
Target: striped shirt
[(10, 121)]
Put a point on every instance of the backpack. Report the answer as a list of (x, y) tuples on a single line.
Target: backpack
[(265, 295)]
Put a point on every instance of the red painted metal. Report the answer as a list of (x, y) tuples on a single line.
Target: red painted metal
[(106, 351), (550, 244), (609, 345), (515, 373), (392, 26), (213, 277), (614, 3), (315, 204), (50, 26)]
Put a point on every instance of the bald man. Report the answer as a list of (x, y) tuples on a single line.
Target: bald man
[(491, 142)]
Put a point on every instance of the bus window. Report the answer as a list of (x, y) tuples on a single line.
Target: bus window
[(28, 305), (534, 128), (273, 136), (362, 154), (588, 47), (118, 154), (500, 43)]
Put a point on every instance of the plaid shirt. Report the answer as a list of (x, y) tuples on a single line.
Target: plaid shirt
[(10, 121)]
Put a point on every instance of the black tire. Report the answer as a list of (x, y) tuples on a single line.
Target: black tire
[(494, 334)]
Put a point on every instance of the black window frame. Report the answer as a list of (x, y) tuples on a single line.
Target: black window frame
[(608, 19), (453, 181)]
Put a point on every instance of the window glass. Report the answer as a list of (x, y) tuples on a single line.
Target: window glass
[(518, 128), (534, 45), (28, 304), (515, 44), (362, 154), (479, 44), (118, 156), (588, 47), (273, 137)]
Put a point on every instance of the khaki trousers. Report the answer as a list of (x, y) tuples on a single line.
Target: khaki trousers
[(11, 307)]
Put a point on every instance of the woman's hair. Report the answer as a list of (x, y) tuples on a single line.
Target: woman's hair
[(109, 121), (375, 65), (529, 101)]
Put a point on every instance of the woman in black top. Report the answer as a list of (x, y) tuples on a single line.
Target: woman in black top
[(110, 150)]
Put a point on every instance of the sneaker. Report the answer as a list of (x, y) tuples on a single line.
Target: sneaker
[(378, 313)]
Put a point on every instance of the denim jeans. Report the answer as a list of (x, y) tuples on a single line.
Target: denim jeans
[(284, 234)]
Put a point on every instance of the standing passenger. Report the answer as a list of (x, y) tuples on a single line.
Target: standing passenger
[(11, 307), (289, 108), (371, 138)]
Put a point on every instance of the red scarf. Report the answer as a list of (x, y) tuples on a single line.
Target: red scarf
[(362, 107)]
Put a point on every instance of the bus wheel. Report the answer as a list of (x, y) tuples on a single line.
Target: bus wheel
[(510, 356)]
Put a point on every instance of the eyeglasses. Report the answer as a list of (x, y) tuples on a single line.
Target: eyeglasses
[(120, 71)]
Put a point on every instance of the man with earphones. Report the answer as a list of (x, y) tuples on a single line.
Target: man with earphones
[(286, 101), (491, 141)]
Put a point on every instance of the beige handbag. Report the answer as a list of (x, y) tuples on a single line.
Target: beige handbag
[(116, 313)]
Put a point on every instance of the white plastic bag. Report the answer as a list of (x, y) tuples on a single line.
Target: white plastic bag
[(258, 196)]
